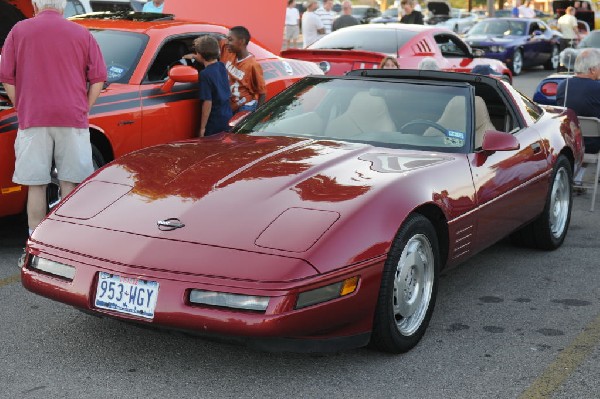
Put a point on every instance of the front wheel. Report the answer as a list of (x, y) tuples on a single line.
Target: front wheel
[(408, 287), (517, 64), (552, 63)]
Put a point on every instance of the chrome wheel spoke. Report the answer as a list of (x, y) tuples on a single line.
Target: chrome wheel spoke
[(413, 282)]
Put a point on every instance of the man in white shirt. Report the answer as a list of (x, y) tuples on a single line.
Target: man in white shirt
[(292, 28), (312, 26), (567, 25), (326, 15), (526, 10)]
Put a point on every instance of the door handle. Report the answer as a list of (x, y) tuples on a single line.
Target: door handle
[(123, 123)]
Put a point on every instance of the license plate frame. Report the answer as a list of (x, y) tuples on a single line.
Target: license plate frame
[(114, 292)]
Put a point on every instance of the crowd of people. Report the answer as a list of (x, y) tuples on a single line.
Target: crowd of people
[(317, 22)]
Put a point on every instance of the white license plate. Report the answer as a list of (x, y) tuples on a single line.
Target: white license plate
[(126, 295)]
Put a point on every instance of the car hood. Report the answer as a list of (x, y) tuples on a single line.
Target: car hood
[(260, 194)]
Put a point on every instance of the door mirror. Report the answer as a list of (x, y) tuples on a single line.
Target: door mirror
[(180, 74), (494, 140)]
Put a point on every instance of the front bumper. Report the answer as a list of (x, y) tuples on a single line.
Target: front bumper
[(341, 323)]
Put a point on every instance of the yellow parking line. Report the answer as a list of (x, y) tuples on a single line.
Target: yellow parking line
[(10, 280), (566, 363)]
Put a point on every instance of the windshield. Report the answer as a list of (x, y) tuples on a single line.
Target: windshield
[(591, 40), (380, 40), (499, 27), (120, 59), (379, 112)]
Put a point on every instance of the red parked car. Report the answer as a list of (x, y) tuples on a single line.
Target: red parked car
[(140, 105), (323, 220), (364, 46)]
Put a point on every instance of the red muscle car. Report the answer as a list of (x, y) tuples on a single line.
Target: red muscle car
[(139, 106), (364, 46), (323, 220)]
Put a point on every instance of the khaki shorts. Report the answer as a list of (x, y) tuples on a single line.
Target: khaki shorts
[(37, 146), (292, 32)]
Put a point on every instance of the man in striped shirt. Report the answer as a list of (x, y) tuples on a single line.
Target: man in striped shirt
[(326, 15)]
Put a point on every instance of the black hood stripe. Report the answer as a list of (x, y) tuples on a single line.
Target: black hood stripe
[(152, 97)]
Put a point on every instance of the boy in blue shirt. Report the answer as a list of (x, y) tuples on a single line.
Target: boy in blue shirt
[(214, 87)]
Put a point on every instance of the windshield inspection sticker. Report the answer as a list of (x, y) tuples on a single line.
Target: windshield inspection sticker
[(115, 72), (456, 135)]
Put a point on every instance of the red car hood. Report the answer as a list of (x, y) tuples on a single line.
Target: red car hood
[(262, 194)]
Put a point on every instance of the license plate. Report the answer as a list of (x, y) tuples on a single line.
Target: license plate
[(126, 295)]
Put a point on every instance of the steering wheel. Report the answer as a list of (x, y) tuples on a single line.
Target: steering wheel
[(426, 123)]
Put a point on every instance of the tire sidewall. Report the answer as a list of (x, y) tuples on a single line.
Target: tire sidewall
[(386, 333)]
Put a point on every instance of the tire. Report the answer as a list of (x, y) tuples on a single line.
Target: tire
[(53, 195), (552, 63), (516, 65), (549, 230), (411, 268)]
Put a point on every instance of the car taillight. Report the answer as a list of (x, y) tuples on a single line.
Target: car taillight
[(549, 89), (364, 65)]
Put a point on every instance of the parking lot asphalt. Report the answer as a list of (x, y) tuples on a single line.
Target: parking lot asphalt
[(509, 323)]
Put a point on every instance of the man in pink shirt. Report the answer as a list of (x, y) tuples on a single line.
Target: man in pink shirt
[(53, 72)]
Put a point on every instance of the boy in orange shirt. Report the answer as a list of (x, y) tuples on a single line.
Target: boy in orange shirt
[(246, 79)]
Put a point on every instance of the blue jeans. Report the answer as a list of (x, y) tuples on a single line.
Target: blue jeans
[(248, 107)]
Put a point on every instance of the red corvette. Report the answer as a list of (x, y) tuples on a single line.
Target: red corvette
[(364, 46), (323, 221), (140, 106)]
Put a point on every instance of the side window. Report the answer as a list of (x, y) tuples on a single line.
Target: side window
[(534, 111), (533, 27), (451, 46), (170, 53)]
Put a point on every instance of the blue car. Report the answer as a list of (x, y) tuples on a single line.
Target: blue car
[(518, 42)]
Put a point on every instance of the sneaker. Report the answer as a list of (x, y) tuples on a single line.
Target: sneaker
[(21, 261), (578, 190)]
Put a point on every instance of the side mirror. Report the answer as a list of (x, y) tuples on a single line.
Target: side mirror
[(180, 74), (478, 53), (494, 140)]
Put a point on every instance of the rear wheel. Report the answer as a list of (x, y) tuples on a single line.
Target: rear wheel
[(517, 64), (549, 230), (408, 287)]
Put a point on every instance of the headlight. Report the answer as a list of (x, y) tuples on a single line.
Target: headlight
[(226, 300), (497, 49), (327, 293), (51, 267)]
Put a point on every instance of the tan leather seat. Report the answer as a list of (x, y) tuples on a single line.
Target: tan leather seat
[(366, 113), (482, 121), (454, 118)]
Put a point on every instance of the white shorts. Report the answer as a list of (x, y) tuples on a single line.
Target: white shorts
[(37, 146), (292, 32)]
